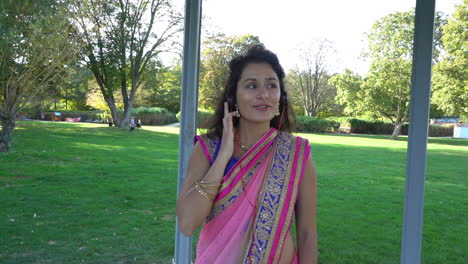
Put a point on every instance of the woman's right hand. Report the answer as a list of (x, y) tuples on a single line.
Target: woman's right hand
[(192, 208), (227, 142)]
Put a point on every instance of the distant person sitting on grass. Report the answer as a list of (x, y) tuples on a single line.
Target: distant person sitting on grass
[(138, 124), (132, 123)]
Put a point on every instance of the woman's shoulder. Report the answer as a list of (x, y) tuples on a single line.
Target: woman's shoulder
[(293, 138), (206, 139), (209, 145)]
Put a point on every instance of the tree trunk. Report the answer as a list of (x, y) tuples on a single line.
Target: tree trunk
[(113, 109), (396, 130), (126, 115), (6, 135)]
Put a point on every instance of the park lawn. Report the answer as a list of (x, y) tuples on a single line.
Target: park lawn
[(87, 193)]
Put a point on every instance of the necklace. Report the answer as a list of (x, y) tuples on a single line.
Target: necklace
[(243, 147)]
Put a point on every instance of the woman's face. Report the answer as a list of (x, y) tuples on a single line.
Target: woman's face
[(258, 93)]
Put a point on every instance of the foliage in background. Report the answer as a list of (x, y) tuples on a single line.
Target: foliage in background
[(203, 116), (348, 87), (149, 116), (121, 38), (308, 82), (36, 44), (161, 88), (217, 52), (385, 92), (307, 124), (154, 116), (74, 88), (360, 126), (450, 78)]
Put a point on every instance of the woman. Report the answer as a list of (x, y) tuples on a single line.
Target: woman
[(247, 177)]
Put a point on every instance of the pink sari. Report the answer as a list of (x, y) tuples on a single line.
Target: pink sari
[(253, 211)]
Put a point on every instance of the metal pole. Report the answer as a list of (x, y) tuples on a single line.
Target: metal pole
[(188, 106), (418, 129)]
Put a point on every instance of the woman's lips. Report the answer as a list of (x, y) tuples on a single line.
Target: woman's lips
[(261, 107)]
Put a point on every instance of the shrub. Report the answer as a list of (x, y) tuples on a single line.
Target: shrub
[(153, 116), (49, 114), (359, 126), (148, 115), (315, 125), (203, 116), (89, 116), (441, 130)]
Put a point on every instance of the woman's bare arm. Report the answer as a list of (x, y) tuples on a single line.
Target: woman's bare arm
[(306, 212), (192, 208)]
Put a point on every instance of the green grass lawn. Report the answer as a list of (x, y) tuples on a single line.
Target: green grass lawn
[(87, 193)]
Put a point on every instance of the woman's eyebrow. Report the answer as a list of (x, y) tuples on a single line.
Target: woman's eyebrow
[(249, 79), (266, 79)]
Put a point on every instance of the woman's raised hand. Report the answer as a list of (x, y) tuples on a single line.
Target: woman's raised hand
[(227, 143)]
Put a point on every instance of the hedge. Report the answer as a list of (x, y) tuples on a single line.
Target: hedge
[(315, 125), (359, 126), (203, 116), (147, 115), (153, 116), (88, 116), (441, 130)]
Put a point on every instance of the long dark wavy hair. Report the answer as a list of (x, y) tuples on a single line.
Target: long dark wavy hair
[(255, 54)]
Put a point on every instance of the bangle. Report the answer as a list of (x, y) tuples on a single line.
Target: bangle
[(214, 184), (207, 186), (203, 193)]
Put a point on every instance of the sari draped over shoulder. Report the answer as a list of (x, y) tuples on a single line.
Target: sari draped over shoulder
[(253, 211)]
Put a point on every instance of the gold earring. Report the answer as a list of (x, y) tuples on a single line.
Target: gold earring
[(237, 111), (277, 111)]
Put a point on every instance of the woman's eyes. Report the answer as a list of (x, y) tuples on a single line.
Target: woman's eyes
[(270, 85)]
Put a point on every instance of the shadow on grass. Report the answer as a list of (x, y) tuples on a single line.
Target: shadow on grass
[(106, 195)]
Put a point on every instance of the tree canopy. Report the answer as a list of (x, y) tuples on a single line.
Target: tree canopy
[(37, 44), (385, 91), (121, 37), (308, 81), (217, 51), (450, 82)]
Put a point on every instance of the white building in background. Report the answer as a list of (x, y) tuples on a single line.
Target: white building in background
[(460, 130)]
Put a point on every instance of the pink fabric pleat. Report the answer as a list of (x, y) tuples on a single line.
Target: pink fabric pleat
[(222, 238)]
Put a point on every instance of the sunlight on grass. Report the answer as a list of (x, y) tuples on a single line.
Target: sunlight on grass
[(97, 146), (78, 191), (172, 130)]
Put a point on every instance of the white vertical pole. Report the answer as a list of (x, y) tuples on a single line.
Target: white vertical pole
[(418, 129), (188, 106)]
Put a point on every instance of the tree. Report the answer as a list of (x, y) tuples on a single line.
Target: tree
[(36, 43), (309, 82), (121, 37), (386, 88), (161, 88), (450, 83), (348, 93), (69, 93), (218, 50), (75, 87)]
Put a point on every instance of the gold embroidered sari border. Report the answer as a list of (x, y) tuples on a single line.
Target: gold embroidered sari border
[(292, 201), (248, 158)]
